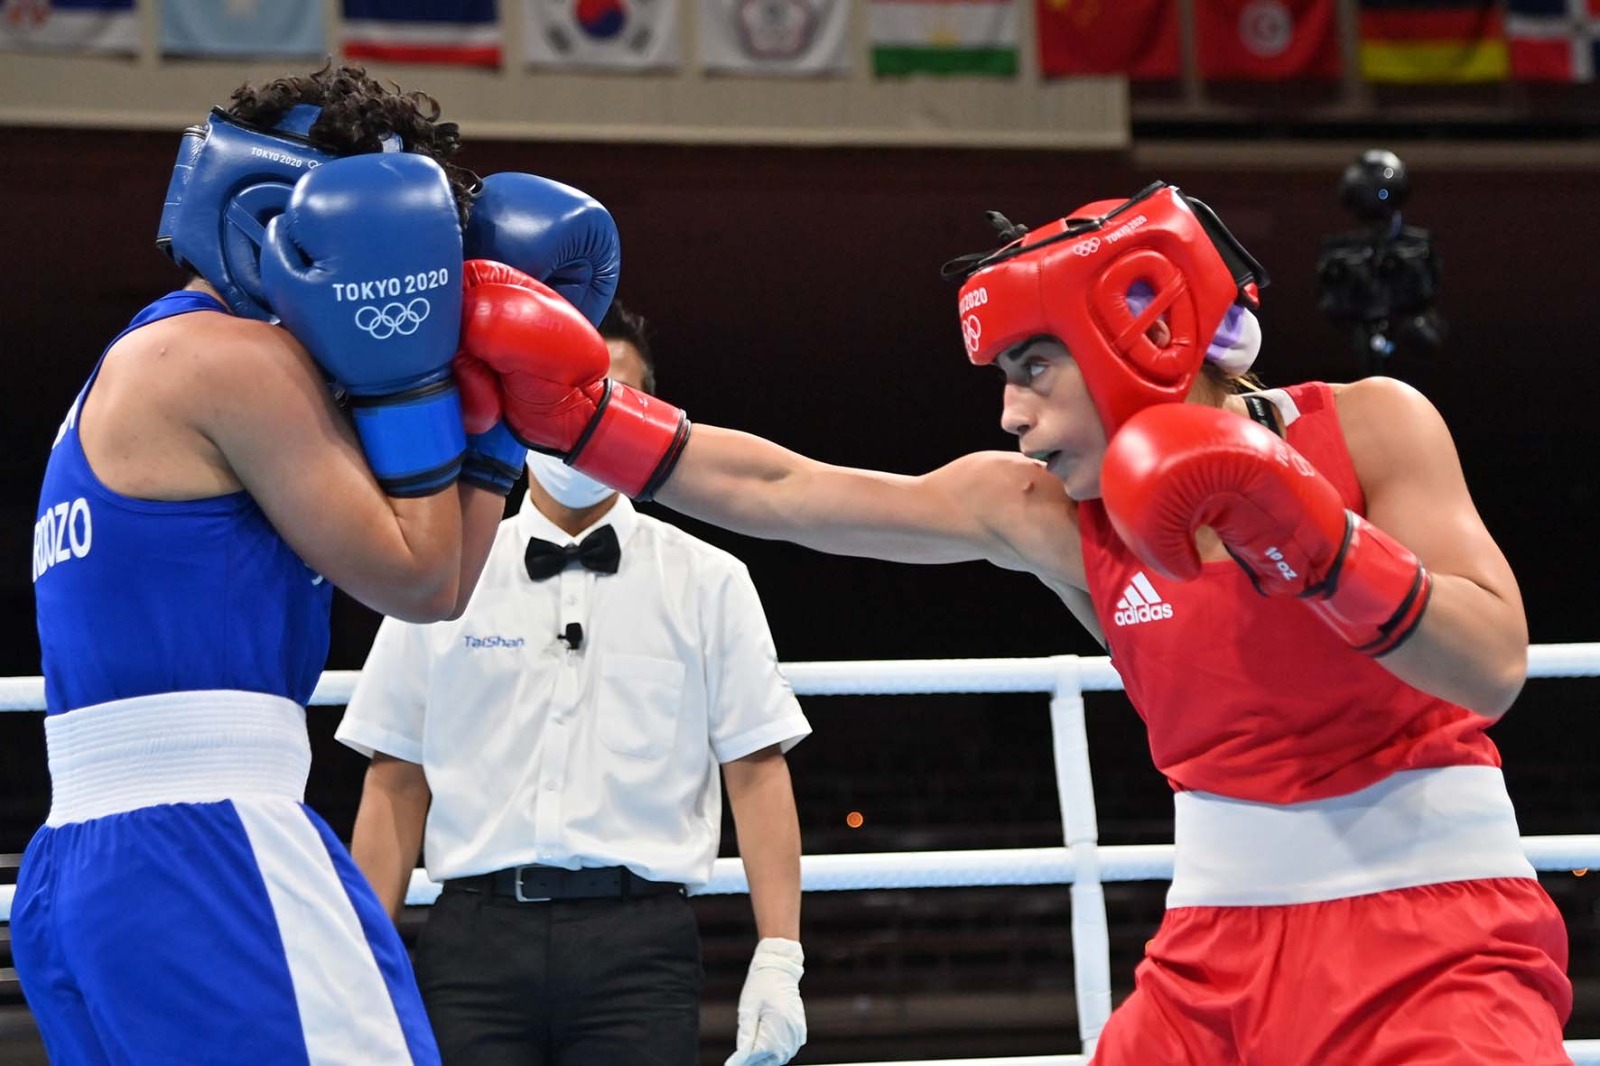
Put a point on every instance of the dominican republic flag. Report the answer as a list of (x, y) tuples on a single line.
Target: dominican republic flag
[(1441, 41), (69, 26), (621, 35), (943, 37), (1267, 40), (1138, 38), (1554, 40), (779, 37), (242, 28), (460, 32)]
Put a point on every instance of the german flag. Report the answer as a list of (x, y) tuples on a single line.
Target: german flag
[(1439, 41)]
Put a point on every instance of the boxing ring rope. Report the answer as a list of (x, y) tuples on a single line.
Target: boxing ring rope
[(1081, 863)]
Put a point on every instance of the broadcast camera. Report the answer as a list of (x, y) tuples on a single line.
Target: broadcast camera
[(1381, 280)]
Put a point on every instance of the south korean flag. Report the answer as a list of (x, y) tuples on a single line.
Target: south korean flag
[(602, 34)]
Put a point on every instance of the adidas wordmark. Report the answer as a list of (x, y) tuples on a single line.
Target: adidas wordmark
[(1140, 602)]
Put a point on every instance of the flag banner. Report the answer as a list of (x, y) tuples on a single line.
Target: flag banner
[(103, 26), (1441, 41), (625, 35), (783, 37), (459, 32), (1138, 38), (242, 28), (943, 37), (1553, 40), (1267, 40)]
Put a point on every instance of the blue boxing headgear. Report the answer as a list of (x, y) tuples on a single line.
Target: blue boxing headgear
[(230, 180)]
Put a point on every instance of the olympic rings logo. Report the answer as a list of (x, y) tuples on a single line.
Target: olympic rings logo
[(1088, 247), (383, 323), (971, 332)]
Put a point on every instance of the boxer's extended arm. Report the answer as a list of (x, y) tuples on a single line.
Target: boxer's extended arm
[(996, 506), (1472, 644), (389, 826), (552, 365)]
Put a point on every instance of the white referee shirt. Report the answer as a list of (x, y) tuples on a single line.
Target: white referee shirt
[(604, 756)]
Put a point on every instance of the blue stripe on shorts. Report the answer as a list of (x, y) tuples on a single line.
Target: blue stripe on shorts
[(228, 932)]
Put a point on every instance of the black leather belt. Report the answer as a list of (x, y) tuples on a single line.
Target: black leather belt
[(542, 884)]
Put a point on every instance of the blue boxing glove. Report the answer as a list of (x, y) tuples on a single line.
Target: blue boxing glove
[(549, 231), (364, 268), (564, 238)]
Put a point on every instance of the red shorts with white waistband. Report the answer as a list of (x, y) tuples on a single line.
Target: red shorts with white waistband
[(1460, 973)]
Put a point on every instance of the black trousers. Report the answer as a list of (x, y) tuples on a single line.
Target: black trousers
[(592, 982)]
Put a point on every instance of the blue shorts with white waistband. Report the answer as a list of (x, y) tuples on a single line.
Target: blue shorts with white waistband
[(236, 931)]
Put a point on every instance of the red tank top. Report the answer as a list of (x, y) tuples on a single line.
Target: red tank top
[(1253, 697)]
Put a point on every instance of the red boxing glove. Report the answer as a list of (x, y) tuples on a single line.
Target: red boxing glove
[(482, 404), (1175, 467), (553, 385)]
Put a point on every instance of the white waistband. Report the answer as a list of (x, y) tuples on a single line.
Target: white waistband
[(1416, 827), (175, 747)]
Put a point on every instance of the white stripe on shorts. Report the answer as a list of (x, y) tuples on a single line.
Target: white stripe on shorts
[(345, 1008)]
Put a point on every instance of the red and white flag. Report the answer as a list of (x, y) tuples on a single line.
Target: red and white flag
[(1267, 40), (1553, 40), (104, 26)]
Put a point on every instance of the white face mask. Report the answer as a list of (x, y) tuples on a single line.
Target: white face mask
[(568, 487)]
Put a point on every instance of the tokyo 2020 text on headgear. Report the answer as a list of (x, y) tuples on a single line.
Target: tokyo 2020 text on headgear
[(230, 180), (1072, 278)]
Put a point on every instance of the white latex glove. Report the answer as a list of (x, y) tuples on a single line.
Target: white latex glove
[(772, 1020)]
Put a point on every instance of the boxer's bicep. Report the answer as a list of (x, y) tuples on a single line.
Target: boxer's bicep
[(1415, 490)]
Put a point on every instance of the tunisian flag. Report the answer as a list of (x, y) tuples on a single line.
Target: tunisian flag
[(1267, 40), (1138, 38)]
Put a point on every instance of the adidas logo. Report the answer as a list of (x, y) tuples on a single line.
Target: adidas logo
[(1140, 603)]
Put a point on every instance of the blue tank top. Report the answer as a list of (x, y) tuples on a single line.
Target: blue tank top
[(139, 597)]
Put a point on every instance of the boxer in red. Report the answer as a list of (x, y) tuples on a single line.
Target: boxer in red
[(1301, 598)]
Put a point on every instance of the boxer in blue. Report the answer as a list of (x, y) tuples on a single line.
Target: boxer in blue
[(287, 422)]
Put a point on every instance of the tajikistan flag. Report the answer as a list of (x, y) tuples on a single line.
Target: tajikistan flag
[(944, 37)]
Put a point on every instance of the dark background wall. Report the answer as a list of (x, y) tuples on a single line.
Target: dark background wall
[(795, 292)]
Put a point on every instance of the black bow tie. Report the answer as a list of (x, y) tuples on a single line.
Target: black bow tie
[(598, 551)]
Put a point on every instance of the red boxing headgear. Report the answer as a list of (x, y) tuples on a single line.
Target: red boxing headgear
[(1071, 280)]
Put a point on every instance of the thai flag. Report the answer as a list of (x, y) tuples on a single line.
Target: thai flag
[(423, 31)]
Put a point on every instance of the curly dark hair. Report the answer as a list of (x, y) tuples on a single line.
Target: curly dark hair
[(357, 113)]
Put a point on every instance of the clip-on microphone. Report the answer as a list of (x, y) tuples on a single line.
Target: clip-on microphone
[(573, 637)]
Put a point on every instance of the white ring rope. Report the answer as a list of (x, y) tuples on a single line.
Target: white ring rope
[(899, 677), (1083, 864)]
